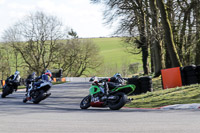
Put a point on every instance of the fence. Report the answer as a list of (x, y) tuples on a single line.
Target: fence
[(77, 79)]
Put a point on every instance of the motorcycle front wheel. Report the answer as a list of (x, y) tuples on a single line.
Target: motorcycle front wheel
[(85, 103), (119, 102), (6, 91), (39, 97)]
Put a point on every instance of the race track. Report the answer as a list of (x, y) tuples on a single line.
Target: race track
[(60, 113)]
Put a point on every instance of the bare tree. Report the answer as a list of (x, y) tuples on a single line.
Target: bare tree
[(131, 15), (197, 16), (5, 68), (78, 57), (171, 48), (36, 39)]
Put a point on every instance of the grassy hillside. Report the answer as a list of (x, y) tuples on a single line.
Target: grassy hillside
[(113, 51), (115, 55)]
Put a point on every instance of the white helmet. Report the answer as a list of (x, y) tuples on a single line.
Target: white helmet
[(117, 75), (17, 73)]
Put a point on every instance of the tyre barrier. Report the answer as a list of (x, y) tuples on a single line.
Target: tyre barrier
[(143, 84), (135, 81), (198, 73), (189, 75)]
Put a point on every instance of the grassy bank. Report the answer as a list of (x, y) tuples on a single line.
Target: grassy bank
[(178, 95)]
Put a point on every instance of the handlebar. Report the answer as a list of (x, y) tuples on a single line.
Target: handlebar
[(125, 78), (103, 80)]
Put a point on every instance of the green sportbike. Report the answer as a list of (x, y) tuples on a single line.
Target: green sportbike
[(107, 94)]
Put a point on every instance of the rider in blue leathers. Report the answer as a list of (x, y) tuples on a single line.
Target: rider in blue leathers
[(46, 77)]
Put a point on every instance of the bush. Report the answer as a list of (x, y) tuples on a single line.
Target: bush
[(133, 68)]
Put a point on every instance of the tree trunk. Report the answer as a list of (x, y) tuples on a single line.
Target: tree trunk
[(156, 47), (187, 45), (143, 39), (168, 35), (197, 10)]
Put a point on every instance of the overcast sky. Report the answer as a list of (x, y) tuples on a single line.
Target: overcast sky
[(82, 16)]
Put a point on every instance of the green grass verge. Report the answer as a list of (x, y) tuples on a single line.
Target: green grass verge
[(159, 98)]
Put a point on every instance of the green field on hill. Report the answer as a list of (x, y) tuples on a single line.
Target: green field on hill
[(115, 58), (114, 54)]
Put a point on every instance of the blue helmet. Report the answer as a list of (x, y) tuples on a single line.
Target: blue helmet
[(48, 72)]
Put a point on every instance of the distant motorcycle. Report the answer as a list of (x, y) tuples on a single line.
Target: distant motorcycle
[(115, 98), (9, 87), (40, 93)]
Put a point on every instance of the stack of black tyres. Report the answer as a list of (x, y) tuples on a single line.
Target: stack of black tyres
[(135, 81), (189, 75), (183, 77), (198, 73), (146, 84), (143, 84)]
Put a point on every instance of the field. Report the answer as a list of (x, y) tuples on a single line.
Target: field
[(115, 56), (113, 51)]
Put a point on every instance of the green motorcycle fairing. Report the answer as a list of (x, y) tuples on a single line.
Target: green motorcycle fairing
[(127, 89), (94, 89)]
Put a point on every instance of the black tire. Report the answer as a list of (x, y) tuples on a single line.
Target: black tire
[(146, 88), (198, 70), (191, 73), (39, 98), (5, 92), (183, 77), (192, 80), (136, 91), (135, 81), (145, 79), (85, 103), (119, 103), (189, 68), (3, 95), (25, 100)]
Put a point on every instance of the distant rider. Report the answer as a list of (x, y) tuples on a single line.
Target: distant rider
[(29, 79), (15, 79), (46, 77)]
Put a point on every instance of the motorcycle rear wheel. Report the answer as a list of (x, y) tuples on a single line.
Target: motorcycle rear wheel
[(39, 98), (85, 103), (119, 102)]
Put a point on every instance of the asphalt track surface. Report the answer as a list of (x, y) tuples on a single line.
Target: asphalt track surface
[(60, 113)]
